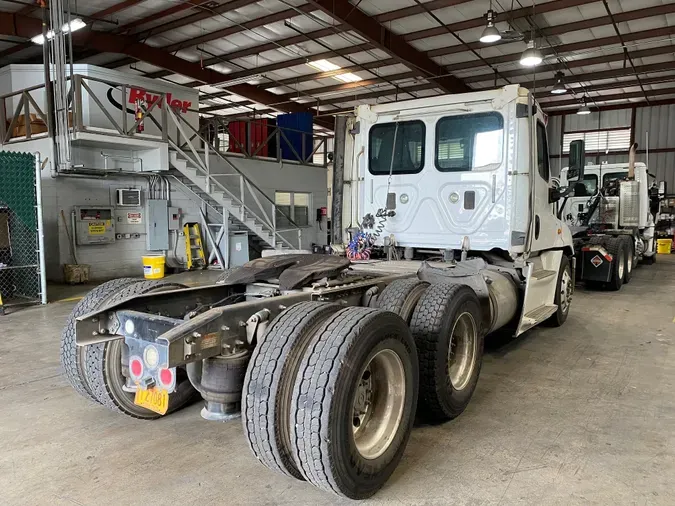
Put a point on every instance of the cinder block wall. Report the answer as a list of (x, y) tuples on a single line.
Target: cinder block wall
[(122, 258)]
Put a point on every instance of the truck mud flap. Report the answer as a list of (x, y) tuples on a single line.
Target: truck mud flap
[(596, 264)]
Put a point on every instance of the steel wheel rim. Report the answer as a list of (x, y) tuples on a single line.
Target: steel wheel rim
[(462, 351), (565, 290), (620, 264), (378, 404)]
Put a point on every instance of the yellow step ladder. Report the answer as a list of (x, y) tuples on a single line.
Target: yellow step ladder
[(194, 249)]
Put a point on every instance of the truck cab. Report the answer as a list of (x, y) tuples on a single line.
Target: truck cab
[(466, 171), (595, 178)]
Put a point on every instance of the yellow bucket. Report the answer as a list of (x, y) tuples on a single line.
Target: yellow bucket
[(663, 246), (153, 266)]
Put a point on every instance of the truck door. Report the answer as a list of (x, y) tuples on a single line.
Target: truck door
[(448, 176), (545, 226)]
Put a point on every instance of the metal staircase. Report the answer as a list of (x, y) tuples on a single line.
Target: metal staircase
[(227, 192)]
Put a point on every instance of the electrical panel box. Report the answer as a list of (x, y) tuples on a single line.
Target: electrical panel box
[(94, 225), (238, 249), (174, 218), (130, 220), (129, 197), (158, 225)]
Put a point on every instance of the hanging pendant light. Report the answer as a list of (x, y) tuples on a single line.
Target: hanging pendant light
[(531, 57), (559, 87), (584, 108), (491, 33)]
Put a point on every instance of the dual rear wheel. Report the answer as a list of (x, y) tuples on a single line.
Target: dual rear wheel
[(331, 393), (97, 371)]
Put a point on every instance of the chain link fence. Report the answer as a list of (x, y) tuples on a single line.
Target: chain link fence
[(20, 271)]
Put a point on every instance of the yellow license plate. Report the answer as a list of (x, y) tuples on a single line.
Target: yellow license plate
[(155, 399)]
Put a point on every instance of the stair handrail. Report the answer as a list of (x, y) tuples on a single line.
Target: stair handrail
[(251, 184), (273, 231)]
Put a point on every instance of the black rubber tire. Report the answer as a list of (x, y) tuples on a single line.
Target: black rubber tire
[(649, 260), (323, 397), (629, 254), (269, 380), (401, 297), (73, 356), (560, 316), (432, 324), (103, 366), (615, 247)]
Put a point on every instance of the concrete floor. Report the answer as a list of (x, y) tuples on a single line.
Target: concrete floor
[(584, 414)]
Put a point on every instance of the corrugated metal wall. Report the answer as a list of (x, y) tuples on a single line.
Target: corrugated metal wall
[(659, 121)]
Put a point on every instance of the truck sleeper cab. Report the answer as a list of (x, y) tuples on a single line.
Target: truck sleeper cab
[(331, 357)]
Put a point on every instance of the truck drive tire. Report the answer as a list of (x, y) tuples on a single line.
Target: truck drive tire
[(401, 297), (353, 403), (269, 381), (563, 293), (73, 356), (447, 329), (616, 247), (104, 366), (629, 257)]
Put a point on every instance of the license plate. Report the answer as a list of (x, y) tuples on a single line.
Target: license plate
[(155, 399)]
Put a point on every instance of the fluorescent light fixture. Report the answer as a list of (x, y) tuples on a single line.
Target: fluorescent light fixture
[(491, 33), (584, 108), (326, 66), (347, 78), (559, 87), (239, 80), (73, 26), (531, 57), (323, 65)]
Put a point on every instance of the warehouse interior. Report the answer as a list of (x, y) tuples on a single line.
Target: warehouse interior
[(195, 147)]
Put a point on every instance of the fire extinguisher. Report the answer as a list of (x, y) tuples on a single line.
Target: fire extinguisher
[(138, 115)]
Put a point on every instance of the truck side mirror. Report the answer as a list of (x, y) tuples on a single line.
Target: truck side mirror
[(577, 159), (554, 195)]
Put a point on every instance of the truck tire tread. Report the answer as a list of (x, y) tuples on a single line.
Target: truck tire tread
[(269, 381), (614, 245), (345, 339), (72, 356), (401, 297), (98, 355), (429, 326)]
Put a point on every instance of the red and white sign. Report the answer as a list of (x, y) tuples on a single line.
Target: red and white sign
[(596, 261), (142, 95), (135, 218)]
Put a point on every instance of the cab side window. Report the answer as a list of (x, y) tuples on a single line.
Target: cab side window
[(542, 152)]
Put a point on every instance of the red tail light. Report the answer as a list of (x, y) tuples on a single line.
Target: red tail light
[(167, 378), (136, 367)]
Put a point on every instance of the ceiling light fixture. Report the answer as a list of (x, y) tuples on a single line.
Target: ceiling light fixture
[(239, 80), (531, 57), (491, 33), (347, 78), (323, 65), (584, 108), (73, 26), (559, 87)]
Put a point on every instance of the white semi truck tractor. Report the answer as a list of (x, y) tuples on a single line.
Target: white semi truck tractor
[(327, 358), (612, 216)]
